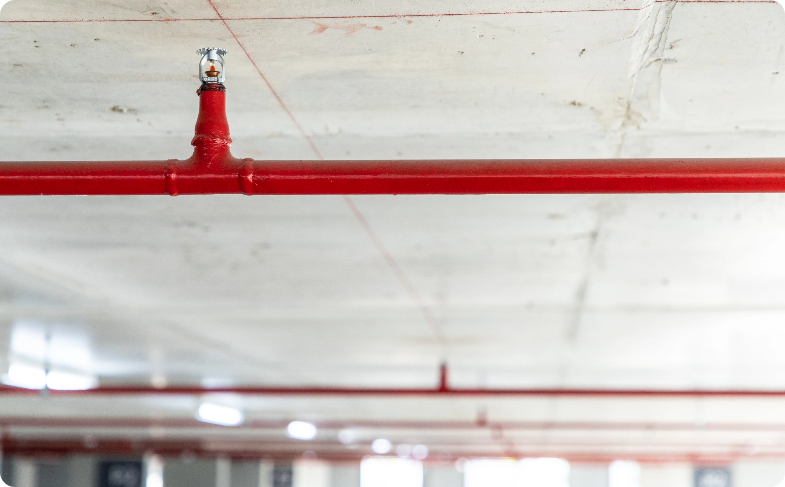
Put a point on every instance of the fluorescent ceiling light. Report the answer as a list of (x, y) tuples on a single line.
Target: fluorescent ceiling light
[(223, 415), (381, 446), (41, 343), (66, 381), (26, 376), (301, 430), (35, 377), (28, 340)]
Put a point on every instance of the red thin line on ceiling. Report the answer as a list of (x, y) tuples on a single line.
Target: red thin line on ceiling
[(471, 14), (453, 14), (269, 85), (388, 258), (378, 16), (436, 425)]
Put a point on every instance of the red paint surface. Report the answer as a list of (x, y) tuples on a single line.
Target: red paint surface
[(270, 451), (122, 435), (349, 28), (120, 422), (406, 392), (212, 170), (292, 449)]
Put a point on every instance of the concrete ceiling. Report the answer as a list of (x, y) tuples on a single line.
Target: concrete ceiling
[(635, 291)]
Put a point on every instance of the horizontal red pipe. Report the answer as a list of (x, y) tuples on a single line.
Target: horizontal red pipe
[(116, 423), (229, 175), (213, 170), (407, 392), (196, 448)]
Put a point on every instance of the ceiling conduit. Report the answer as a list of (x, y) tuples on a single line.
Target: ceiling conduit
[(213, 170), (400, 392), (443, 389)]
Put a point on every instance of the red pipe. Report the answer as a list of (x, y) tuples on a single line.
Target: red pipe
[(116, 423), (411, 392), (197, 448), (213, 170)]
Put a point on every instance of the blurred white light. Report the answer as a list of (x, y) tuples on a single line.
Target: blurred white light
[(56, 345), (543, 472), (155, 471), (47, 346), (420, 452), (159, 381), (404, 450), (489, 473), (66, 381), (623, 473), (35, 377), (69, 349), (301, 430), (28, 340), (26, 376), (223, 415), (390, 472), (154, 480), (381, 446), (346, 436)]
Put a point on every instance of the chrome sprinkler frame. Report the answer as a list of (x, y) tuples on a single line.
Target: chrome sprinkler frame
[(211, 55)]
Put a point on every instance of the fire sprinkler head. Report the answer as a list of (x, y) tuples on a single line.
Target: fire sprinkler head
[(211, 66)]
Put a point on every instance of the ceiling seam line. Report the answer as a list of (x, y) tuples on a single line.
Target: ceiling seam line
[(419, 303)]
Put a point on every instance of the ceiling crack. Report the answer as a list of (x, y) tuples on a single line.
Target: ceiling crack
[(649, 40)]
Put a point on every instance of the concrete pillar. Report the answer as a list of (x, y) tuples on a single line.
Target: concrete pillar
[(311, 473), (81, 471), (6, 472), (153, 471), (244, 473), (223, 472), (670, 474), (442, 476), (588, 475), (757, 474), (191, 473), (266, 473), (24, 473), (346, 475), (51, 474)]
